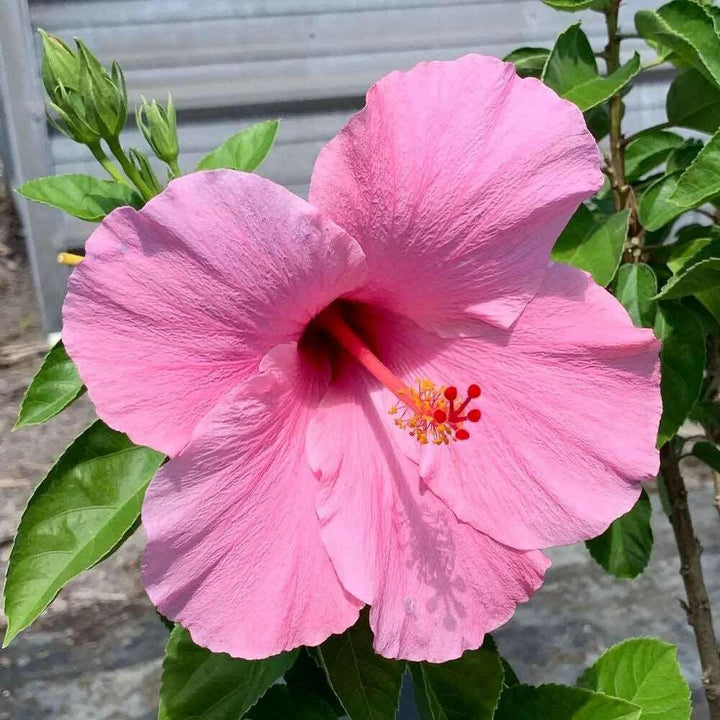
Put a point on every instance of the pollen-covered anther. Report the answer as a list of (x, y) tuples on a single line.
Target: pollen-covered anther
[(433, 414)]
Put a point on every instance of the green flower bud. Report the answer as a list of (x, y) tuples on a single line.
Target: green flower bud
[(104, 96), (159, 127), (88, 102), (60, 67), (142, 165)]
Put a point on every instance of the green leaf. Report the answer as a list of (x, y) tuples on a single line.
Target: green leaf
[(307, 675), (464, 689), (624, 548), (693, 102), (243, 151), (571, 70), (78, 514), (686, 253), (700, 277), (559, 702), (203, 685), (575, 5), (83, 196), (636, 288), (654, 207), (645, 672), (282, 703), (571, 61), (701, 181), (600, 89), (510, 677), (682, 365), (647, 151), (528, 61), (682, 157), (686, 28), (367, 684), (709, 454), (593, 243), (55, 385), (598, 122)]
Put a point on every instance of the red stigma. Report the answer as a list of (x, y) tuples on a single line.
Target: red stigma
[(474, 391), (462, 434), (451, 393), (474, 415), (440, 416)]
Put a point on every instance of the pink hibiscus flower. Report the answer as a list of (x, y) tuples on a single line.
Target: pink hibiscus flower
[(386, 396)]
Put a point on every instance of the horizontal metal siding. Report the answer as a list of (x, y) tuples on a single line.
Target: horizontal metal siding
[(295, 58)]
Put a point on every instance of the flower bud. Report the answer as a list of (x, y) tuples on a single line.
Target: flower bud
[(60, 67), (159, 127), (89, 103), (142, 165), (103, 94)]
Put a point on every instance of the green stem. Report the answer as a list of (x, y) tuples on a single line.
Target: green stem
[(620, 187), (175, 168), (129, 169), (112, 169)]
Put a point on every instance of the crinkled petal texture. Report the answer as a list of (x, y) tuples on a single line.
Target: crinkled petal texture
[(456, 178), (234, 550), (176, 304), (570, 409), (436, 585)]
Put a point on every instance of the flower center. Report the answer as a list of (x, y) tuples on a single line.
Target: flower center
[(430, 413)]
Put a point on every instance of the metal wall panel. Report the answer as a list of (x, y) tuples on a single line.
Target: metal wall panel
[(228, 62)]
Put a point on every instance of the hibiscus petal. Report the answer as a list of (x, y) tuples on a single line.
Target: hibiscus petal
[(175, 304), (570, 409), (234, 551), (456, 178), (435, 584)]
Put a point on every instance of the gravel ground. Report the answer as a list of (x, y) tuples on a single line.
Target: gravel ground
[(96, 653)]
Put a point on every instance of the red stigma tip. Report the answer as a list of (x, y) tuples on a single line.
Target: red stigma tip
[(474, 391), (474, 415), (440, 416), (451, 392), (462, 434)]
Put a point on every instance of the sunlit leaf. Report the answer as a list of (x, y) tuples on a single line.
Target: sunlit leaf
[(79, 512), (55, 385), (686, 28), (243, 151), (645, 672), (84, 196)]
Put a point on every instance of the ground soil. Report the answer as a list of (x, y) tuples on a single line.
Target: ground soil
[(96, 652)]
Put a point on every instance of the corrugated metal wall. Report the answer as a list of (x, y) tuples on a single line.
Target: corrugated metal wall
[(228, 62)]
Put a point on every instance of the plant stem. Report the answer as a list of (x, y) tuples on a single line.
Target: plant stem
[(129, 169), (112, 169), (620, 187), (175, 169), (697, 606)]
